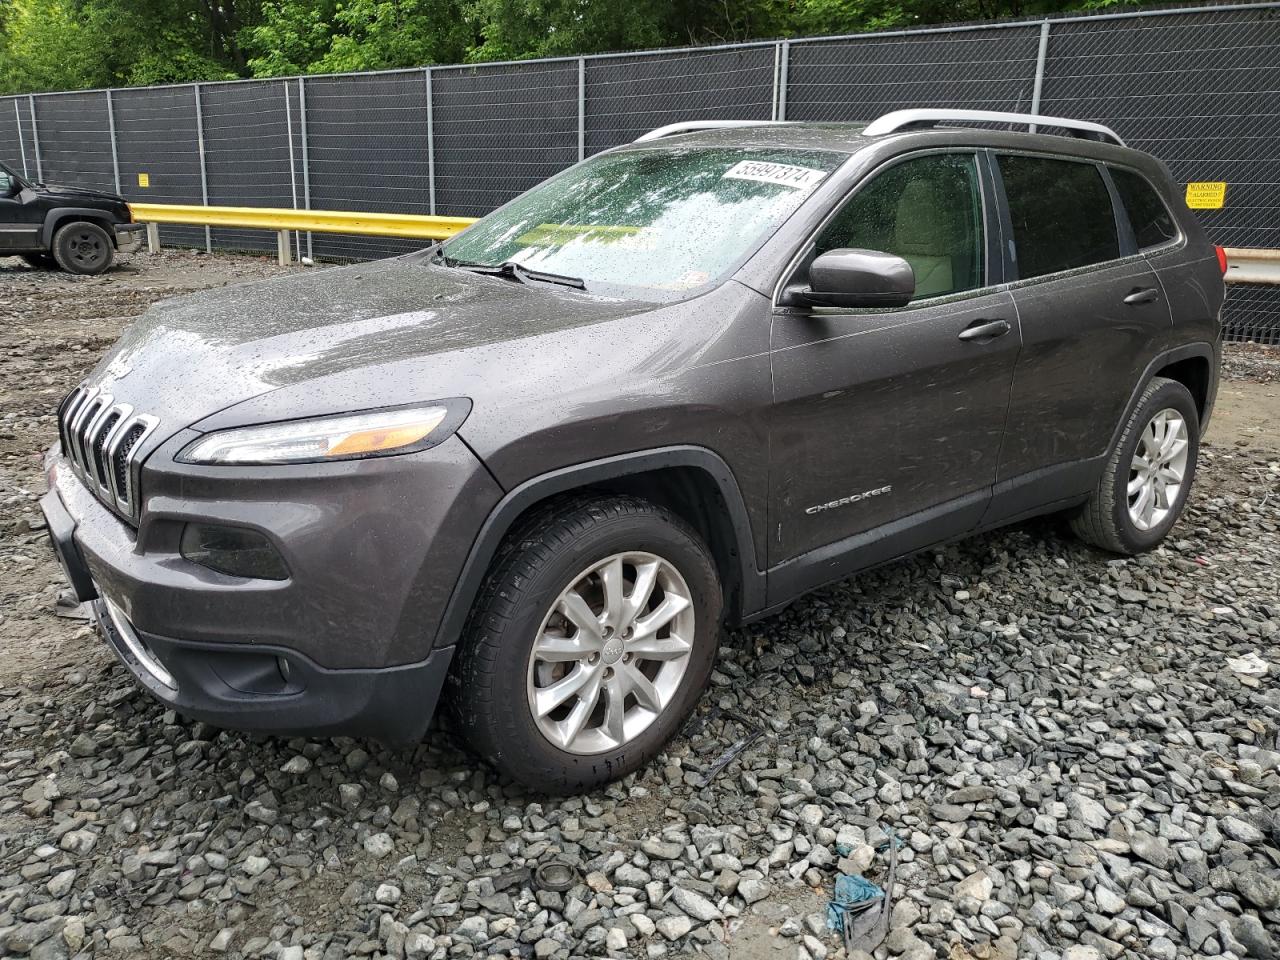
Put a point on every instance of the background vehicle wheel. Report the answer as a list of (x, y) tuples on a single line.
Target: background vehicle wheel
[(589, 644), (82, 247), (1148, 475), (41, 261)]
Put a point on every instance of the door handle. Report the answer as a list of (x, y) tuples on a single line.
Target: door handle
[(984, 330), (1146, 295)]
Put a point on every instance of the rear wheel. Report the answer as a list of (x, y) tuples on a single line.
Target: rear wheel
[(589, 645), (1148, 475), (41, 261), (83, 247)]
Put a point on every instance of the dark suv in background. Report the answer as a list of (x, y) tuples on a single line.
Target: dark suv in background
[(74, 228), (679, 384)]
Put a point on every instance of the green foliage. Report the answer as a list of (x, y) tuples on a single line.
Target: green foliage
[(70, 44)]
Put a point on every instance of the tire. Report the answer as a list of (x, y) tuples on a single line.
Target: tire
[(496, 673), (40, 261), (1108, 519), (83, 247)]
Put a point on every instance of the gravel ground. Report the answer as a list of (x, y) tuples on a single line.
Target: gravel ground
[(1078, 754)]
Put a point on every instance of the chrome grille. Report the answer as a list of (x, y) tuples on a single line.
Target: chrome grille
[(100, 439)]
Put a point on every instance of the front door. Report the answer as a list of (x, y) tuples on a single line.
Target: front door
[(17, 231), (887, 423)]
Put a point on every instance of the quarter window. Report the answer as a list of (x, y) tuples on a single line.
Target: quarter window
[(1150, 218), (929, 212), (1061, 212)]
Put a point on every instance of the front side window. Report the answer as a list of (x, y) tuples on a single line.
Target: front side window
[(1150, 218), (667, 218), (928, 211), (1061, 212)]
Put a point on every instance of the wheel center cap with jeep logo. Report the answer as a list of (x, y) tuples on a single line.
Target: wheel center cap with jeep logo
[(612, 651)]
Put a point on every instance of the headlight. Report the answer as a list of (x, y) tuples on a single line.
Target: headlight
[(346, 437)]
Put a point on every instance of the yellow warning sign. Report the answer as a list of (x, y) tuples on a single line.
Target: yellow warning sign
[(1206, 196), (144, 180)]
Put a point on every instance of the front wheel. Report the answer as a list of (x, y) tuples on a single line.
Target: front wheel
[(1148, 474), (83, 247), (589, 645)]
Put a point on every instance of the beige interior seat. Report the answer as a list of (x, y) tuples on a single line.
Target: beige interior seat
[(926, 234)]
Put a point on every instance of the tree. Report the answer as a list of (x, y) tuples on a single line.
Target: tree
[(71, 44)]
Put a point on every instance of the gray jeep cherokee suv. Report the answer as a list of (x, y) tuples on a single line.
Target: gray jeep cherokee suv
[(534, 469)]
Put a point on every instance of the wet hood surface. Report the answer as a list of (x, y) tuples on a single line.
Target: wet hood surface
[(66, 194), (187, 358)]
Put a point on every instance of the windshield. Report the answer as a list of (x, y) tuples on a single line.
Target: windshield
[(669, 219)]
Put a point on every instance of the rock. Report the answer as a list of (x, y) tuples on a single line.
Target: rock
[(661, 849), (695, 905), (1250, 932), (1241, 831), (1108, 901), (387, 893), (673, 928), (1259, 886), (378, 845), (1154, 850), (752, 890), (977, 885), (1088, 811), (221, 941), (255, 866)]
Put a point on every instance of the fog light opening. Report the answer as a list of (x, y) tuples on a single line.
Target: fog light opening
[(235, 551)]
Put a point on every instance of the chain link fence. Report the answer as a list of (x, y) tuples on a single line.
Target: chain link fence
[(1197, 87)]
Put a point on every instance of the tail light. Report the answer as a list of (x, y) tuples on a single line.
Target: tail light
[(1222, 258)]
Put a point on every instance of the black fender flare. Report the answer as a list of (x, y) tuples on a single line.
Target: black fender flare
[(1201, 349), (565, 479), (56, 218)]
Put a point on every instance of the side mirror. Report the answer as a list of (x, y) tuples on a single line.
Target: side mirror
[(858, 278)]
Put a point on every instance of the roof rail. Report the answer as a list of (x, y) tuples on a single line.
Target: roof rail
[(689, 126), (906, 119)]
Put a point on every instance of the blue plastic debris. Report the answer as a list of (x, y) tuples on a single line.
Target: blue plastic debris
[(853, 894)]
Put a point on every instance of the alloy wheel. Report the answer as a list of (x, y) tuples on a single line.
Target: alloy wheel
[(1158, 469), (611, 653)]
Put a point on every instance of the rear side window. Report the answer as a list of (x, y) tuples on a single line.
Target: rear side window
[(1152, 223), (1061, 212)]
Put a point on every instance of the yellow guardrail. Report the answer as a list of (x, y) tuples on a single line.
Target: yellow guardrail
[(1252, 266), (283, 221)]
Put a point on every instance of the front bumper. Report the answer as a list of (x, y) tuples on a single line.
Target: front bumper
[(251, 690), (129, 237), (343, 646)]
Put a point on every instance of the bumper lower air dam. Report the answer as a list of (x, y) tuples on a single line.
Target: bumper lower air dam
[(276, 690)]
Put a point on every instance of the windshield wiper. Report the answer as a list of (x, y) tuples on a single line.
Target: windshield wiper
[(510, 270)]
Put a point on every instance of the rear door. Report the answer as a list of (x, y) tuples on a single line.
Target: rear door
[(887, 421), (1090, 309)]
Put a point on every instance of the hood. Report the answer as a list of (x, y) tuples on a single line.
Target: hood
[(187, 358), (65, 193)]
